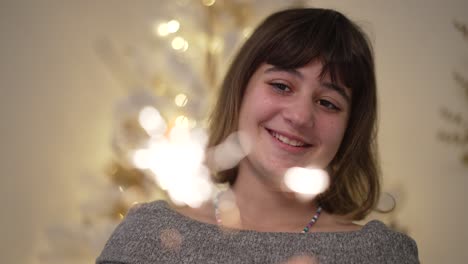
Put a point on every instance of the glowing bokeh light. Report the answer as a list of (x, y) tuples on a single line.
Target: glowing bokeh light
[(161, 29), (173, 26), (151, 120), (164, 29), (182, 121), (185, 47), (208, 2), (181, 100), (230, 152), (306, 182), (179, 43)]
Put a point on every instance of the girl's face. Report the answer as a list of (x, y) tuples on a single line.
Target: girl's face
[(293, 118)]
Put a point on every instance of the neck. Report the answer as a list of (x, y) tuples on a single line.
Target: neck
[(264, 207)]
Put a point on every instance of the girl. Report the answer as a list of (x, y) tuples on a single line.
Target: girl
[(303, 91)]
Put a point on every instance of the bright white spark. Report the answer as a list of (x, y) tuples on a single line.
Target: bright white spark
[(151, 120), (173, 26), (179, 43), (178, 166), (161, 29), (306, 182), (142, 158)]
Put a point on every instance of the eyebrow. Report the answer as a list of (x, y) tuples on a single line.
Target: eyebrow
[(332, 86), (290, 71), (339, 89)]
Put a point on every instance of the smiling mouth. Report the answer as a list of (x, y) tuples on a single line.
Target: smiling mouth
[(288, 141)]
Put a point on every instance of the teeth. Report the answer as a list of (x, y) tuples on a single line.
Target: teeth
[(288, 141)]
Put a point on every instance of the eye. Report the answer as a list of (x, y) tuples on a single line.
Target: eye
[(280, 87), (329, 105)]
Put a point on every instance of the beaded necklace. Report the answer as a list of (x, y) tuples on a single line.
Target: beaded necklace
[(305, 230)]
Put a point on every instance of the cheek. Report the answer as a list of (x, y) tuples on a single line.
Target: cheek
[(266, 109), (334, 132), (258, 106)]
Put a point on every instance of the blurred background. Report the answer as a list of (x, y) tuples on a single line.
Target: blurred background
[(79, 81)]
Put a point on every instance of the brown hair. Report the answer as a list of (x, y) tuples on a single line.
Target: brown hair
[(291, 39)]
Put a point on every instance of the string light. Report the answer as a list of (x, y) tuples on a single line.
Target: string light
[(185, 47), (164, 29), (161, 29), (181, 100), (179, 43), (173, 26)]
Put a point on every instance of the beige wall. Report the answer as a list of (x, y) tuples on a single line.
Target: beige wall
[(56, 100)]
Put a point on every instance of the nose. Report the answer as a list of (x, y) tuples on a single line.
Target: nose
[(300, 113)]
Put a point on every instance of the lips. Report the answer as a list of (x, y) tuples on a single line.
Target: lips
[(288, 140)]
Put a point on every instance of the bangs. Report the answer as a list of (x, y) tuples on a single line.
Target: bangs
[(327, 36)]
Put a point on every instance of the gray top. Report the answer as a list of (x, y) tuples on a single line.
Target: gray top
[(155, 233)]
